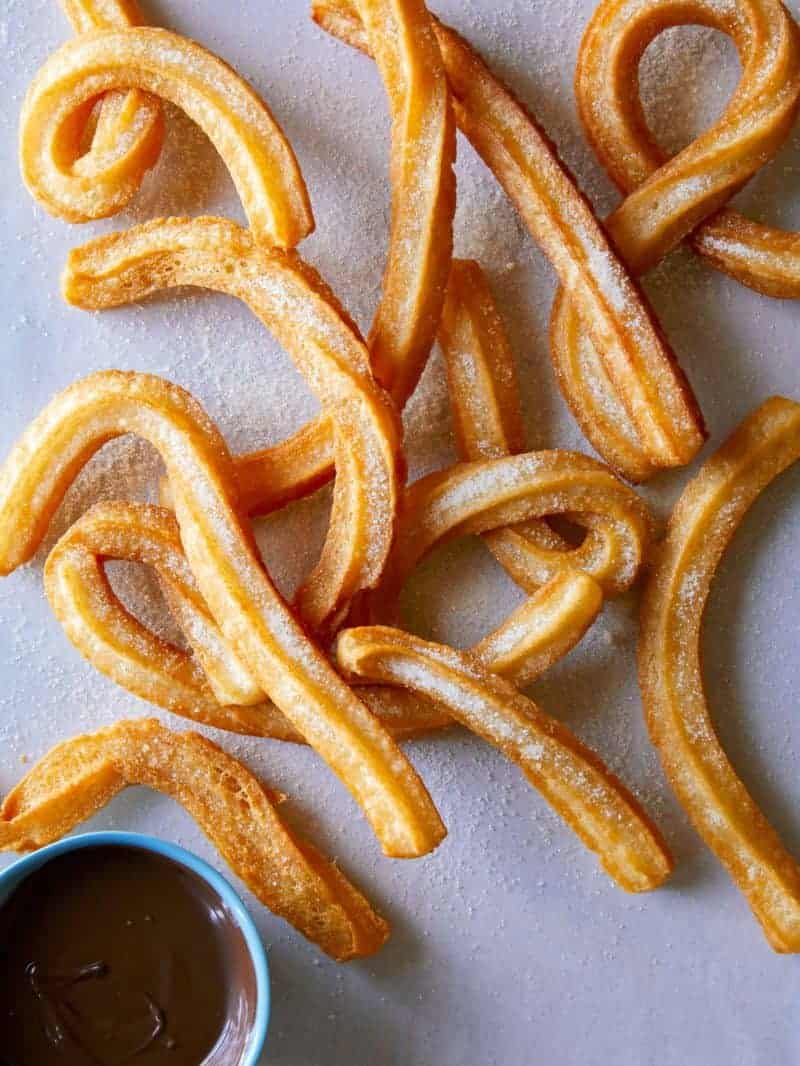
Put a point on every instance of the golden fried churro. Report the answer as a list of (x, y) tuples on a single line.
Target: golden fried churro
[(124, 131), (484, 396), (700, 528), (229, 574), (423, 203), (476, 497), (643, 378), (669, 198), (574, 780), (238, 123), (212, 685), (235, 811), (294, 303), (542, 629), (401, 38), (567, 595)]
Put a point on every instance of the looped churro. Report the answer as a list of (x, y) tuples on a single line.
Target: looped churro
[(574, 780), (80, 776), (667, 198), (700, 528), (124, 131), (644, 380), (239, 124), (472, 498), (212, 685), (423, 203), (229, 574), (295, 304)]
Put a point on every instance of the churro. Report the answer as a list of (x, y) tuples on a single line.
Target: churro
[(573, 779), (211, 684), (668, 199), (293, 302), (484, 396), (401, 38), (229, 574), (238, 123), (235, 811), (124, 132), (643, 377), (700, 528)]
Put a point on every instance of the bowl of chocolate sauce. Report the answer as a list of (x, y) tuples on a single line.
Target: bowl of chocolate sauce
[(120, 948)]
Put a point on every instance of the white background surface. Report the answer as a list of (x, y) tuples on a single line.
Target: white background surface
[(509, 946)]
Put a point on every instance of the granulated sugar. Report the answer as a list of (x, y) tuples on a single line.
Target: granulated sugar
[(511, 889)]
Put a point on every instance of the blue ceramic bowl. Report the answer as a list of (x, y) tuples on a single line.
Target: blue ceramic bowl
[(14, 875)]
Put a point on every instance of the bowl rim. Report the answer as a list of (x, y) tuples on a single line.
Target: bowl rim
[(28, 864)]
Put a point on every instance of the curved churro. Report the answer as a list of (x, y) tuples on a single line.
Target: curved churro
[(239, 124), (212, 685), (80, 776), (668, 198), (294, 303), (401, 38), (423, 203), (473, 498), (700, 528), (644, 379), (484, 396), (229, 574), (124, 132), (572, 778)]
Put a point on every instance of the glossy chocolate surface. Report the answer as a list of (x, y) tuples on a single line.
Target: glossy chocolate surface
[(113, 955)]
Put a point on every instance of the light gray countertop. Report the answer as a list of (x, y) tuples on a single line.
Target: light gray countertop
[(510, 946)]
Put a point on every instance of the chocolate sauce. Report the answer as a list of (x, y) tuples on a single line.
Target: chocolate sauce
[(112, 955)]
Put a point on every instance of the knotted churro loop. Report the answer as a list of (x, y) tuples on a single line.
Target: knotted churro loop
[(122, 137), (294, 303), (644, 379), (212, 685), (668, 199), (61, 97), (481, 497), (572, 778), (229, 575), (700, 528), (80, 776)]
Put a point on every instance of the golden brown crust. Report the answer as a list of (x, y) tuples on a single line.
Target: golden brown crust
[(702, 524), (400, 36), (642, 372), (79, 776), (212, 685), (239, 124), (668, 198), (229, 574), (472, 498), (294, 303), (574, 780)]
